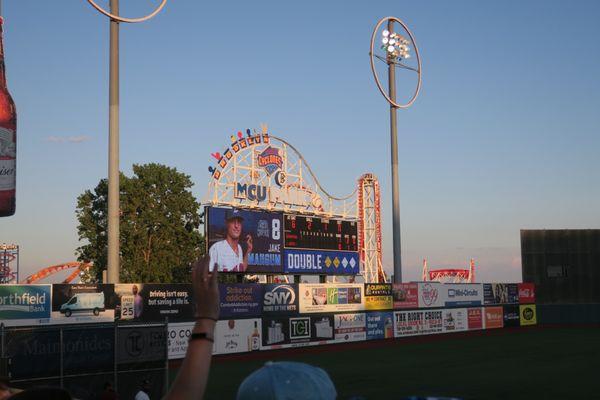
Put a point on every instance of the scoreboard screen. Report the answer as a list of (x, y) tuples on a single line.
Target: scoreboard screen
[(302, 232)]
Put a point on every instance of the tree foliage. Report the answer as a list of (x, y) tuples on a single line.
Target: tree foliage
[(159, 220)]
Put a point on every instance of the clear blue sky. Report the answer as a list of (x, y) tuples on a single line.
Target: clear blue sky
[(504, 136)]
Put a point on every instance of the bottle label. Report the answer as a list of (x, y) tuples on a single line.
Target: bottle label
[(8, 159), (255, 343)]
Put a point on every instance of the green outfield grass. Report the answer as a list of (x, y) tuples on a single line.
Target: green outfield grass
[(557, 363)]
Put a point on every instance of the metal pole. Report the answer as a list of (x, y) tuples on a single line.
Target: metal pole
[(113, 150), (395, 178), (166, 375)]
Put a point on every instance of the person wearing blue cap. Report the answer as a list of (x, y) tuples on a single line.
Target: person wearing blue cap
[(227, 255), (289, 381)]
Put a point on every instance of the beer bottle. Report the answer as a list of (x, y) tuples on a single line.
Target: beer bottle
[(8, 141)]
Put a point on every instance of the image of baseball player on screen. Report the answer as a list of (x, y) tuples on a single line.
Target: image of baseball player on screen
[(227, 255)]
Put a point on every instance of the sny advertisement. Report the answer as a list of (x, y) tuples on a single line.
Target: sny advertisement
[(280, 298)]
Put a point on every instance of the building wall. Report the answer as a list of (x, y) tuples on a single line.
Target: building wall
[(564, 264)]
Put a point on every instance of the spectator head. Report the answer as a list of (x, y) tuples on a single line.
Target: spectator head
[(145, 385), (287, 380), (5, 392)]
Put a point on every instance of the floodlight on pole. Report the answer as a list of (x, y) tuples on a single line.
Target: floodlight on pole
[(113, 258), (396, 51)]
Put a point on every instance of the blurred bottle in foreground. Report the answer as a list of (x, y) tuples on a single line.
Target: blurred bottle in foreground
[(8, 141)]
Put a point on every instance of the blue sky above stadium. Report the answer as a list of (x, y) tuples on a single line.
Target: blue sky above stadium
[(504, 135)]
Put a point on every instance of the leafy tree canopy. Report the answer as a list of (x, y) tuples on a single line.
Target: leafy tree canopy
[(159, 223)]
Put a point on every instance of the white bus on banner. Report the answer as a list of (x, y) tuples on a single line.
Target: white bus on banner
[(261, 171)]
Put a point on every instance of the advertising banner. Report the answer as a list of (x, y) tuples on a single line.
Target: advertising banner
[(378, 296), (462, 294), (526, 293), (25, 304), (33, 353), (455, 320), (430, 294), (528, 315), (406, 295), (244, 240), (433, 322), (237, 336), (475, 318), (280, 298), (83, 303), (493, 317), (177, 340), (380, 325), (350, 327), (288, 331), (141, 344), (331, 297), (153, 302), (240, 300), (511, 315), (500, 293), (88, 350), (297, 261), (322, 328), (408, 323)]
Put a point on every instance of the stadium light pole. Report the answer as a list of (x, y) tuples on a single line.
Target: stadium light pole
[(113, 259), (396, 52)]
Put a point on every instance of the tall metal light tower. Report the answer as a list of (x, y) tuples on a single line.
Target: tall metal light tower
[(394, 51), (113, 132)]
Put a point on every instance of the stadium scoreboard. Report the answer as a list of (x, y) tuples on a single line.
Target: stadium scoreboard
[(318, 233), (280, 242)]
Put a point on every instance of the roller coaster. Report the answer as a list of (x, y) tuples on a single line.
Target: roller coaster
[(449, 275), (9, 268), (9, 263), (294, 188)]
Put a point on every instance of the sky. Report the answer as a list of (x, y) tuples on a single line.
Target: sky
[(504, 135)]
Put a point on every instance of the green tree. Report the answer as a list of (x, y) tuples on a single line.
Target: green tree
[(159, 226)]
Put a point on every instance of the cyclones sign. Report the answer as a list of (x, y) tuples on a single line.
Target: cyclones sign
[(260, 170), (270, 160), (260, 175)]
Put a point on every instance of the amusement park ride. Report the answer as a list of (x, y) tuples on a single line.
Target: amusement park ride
[(450, 275), (261, 171), (9, 254), (9, 267)]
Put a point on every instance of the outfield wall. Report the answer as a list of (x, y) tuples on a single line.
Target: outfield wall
[(258, 317)]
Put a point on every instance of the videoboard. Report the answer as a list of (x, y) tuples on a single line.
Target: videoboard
[(256, 241), (317, 233)]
